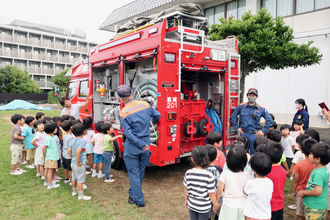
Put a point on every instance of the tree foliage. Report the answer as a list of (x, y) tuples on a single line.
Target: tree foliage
[(14, 80), (265, 42)]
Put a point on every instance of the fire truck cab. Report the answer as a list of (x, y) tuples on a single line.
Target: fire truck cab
[(170, 64)]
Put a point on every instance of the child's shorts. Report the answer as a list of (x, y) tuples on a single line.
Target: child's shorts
[(39, 157), (30, 153), (78, 173), (315, 214), (67, 164), (300, 207), (16, 153), (51, 164), (231, 213), (98, 158), (89, 148)]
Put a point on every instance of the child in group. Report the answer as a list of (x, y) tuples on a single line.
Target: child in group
[(259, 141), (313, 134), (302, 171), (65, 118), (276, 136), (108, 150), (215, 138), (287, 143), (40, 116), (315, 195), (50, 153), (67, 138), (28, 135), (98, 142), (46, 119), (16, 145), (198, 198), (298, 130), (278, 176), (241, 145), (71, 118), (232, 181), (259, 190), (23, 159), (215, 170), (88, 122), (77, 152), (59, 148), (58, 122), (38, 142), (298, 156)]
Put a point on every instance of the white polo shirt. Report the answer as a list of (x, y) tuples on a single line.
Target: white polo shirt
[(74, 111)]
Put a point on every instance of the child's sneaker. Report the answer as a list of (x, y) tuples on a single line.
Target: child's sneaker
[(55, 180), (109, 180), (88, 172), (30, 167), (53, 186), (21, 170), (43, 178), (292, 207), (94, 175), (57, 177), (84, 197), (45, 184), (100, 176), (24, 162), (33, 166), (38, 174), (67, 181), (16, 173), (74, 193), (84, 187)]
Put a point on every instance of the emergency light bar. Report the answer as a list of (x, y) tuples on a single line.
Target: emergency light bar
[(121, 41)]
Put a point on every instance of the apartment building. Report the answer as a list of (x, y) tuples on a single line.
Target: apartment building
[(278, 89), (42, 51)]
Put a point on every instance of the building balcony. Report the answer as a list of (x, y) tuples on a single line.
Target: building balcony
[(64, 59), (73, 60), (40, 83), (57, 71), (35, 42), (52, 58), (7, 38), (23, 68), (11, 53), (47, 71), (27, 55), (33, 69), (50, 84), (21, 40), (48, 44), (2, 65), (39, 56), (60, 46), (82, 49), (72, 47)]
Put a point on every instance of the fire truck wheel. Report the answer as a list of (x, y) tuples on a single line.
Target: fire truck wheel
[(202, 127), (116, 161), (186, 128)]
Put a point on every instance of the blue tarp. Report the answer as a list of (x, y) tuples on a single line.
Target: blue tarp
[(20, 104)]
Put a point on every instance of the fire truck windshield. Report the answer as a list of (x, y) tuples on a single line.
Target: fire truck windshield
[(71, 90)]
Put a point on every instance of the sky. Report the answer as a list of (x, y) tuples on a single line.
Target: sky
[(85, 15)]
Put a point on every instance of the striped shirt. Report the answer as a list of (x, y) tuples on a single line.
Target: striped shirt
[(199, 184)]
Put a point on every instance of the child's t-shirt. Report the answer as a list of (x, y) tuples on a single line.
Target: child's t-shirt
[(298, 156), (318, 177), (66, 142), (28, 137), (304, 169), (294, 135), (278, 176), (89, 135), (51, 150), (58, 144), (74, 145), (234, 184), (287, 146), (108, 145), (198, 194), (328, 166), (16, 130), (40, 139), (259, 193), (98, 138), (216, 171), (220, 160)]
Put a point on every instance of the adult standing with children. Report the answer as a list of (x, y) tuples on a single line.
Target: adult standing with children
[(301, 114), (250, 114), (72, 109), (135, 119)]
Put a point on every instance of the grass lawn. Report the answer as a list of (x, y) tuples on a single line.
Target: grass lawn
[(25, 197)]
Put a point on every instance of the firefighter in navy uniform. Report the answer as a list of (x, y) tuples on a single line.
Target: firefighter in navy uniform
[(135, 119), (250, 113)]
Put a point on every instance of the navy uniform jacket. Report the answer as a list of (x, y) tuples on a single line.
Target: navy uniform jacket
[(135, 120), (247, 121), (303, 116)]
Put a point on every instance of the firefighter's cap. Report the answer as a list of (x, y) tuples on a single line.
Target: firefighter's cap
[(253, 91), (124, 91)]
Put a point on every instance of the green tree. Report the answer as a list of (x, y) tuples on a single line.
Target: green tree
[(264, 42), (14, 80), (62, 81)]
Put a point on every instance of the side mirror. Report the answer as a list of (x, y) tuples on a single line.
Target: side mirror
[(56, 90)]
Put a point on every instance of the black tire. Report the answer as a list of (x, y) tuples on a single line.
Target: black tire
[(186, 128), (201, 127), (116, 161)]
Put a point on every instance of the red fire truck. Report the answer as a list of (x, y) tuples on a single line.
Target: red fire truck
[(171, 65)]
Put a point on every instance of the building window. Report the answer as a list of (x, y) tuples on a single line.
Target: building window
[(226, 10), (287, 7)]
